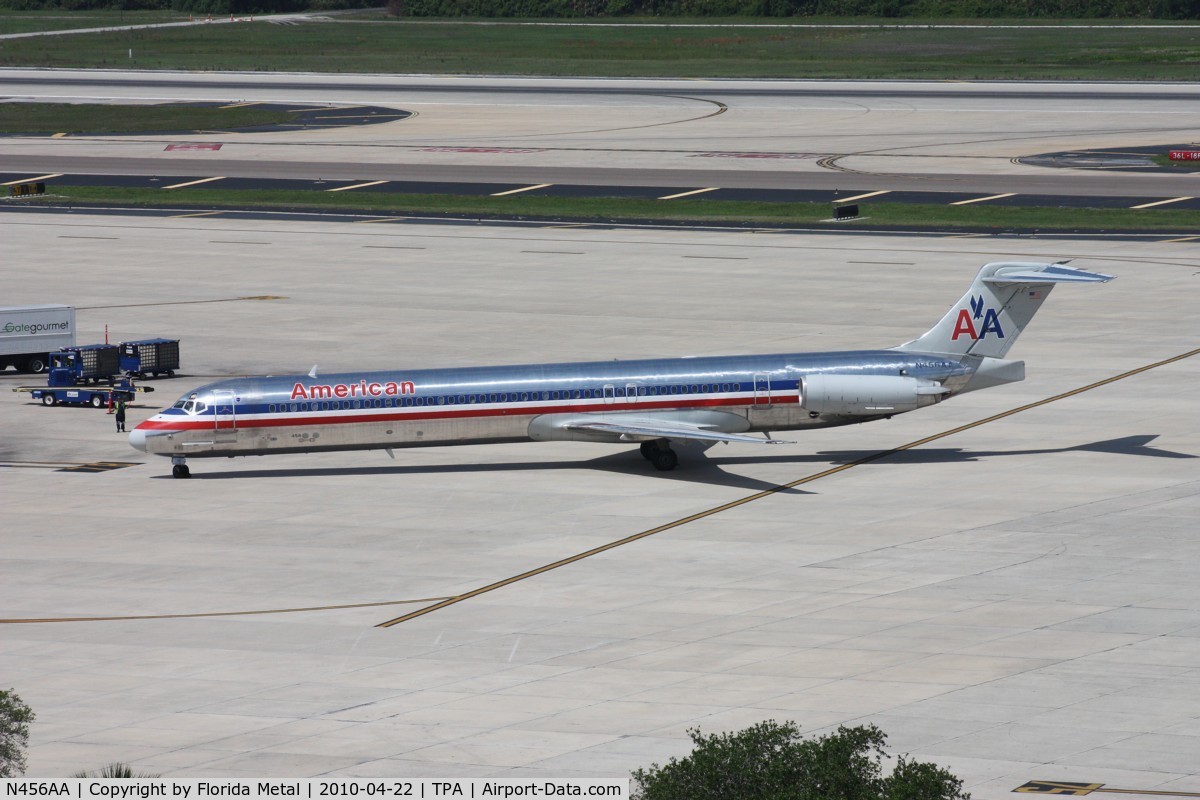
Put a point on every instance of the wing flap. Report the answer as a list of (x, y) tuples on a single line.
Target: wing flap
[(641, 430)]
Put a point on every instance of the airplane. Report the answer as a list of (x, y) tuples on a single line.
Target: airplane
[(654, 403)]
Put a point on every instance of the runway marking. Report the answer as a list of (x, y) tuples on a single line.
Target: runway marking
[(355, 186), (1184, 239), (184, 302), (1162, 202), (569, 225), (523, 189), (198, 615), (688, 194), (193, 183), (34, 180), (242, 105), (1077, 789), (197, 214), (983, 199), (57, 135), (861, 196), (776, 489), (379, 219)]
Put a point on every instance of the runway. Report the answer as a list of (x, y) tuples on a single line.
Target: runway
[(1004, 583), (847, 136)]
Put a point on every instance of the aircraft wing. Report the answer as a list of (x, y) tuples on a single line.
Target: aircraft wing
[(646, 429)]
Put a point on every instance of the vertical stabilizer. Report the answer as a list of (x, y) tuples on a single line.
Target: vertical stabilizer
[(1002, 300)]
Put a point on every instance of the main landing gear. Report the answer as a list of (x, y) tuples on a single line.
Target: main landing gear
[(659, 453), (180, 470)]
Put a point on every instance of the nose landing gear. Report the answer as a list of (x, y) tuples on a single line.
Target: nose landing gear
[(180, 468), (659, 453)]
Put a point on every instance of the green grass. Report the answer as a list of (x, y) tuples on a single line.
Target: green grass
[(49, 118), (1179, 166), (976, 218), (346, 45), (57, 20)]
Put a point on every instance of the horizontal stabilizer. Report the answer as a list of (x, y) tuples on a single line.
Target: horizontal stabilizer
[(1049, 273)]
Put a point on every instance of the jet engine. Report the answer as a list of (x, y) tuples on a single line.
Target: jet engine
[(867, 395)]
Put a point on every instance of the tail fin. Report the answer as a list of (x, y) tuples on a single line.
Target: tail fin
[(1000, 303)]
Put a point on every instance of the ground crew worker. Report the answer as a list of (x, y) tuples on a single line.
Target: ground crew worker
[(120, 416)]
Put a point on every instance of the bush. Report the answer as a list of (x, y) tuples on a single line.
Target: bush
[(115, 770), (15, 717), (771, 761)]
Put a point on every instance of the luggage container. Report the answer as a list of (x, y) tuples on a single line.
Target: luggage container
[(150, 357)]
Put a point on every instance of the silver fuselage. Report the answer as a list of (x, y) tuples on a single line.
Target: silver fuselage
[(412, 408)]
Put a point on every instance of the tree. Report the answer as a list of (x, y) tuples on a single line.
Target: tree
[(15, 717), (771, 761)]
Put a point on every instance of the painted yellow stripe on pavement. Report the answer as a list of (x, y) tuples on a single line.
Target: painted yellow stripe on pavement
[(449, 601), (343, 606), (1162, 202), (243, 105), (197, 214), (983, 199), (861, 196), (193, 183), (523, 189), (57, 135), (1184, 239), (355, 186), (34, 180), (380, 219), (688, 194)]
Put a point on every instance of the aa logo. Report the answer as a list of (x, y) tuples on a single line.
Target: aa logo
[(966, 325)]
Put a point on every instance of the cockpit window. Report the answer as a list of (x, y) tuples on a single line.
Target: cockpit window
[(190, 406)]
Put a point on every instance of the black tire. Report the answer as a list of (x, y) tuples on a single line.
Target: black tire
[(49, 400), (665, 460), (97, 401), (648, 449), (35, 364), (181, 471)]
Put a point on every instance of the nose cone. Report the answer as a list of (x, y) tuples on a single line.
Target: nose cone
[(137, 439)]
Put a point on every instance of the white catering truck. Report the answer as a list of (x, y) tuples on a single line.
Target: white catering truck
[(28, 334)]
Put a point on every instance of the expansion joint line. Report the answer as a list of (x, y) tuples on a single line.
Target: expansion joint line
[(776, 489)]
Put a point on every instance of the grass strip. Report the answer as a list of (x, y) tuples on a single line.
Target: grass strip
[(49, 118), (438, 47), (60, 19), (613, 209)]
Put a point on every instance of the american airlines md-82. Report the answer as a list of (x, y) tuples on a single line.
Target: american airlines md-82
[(653, 403)]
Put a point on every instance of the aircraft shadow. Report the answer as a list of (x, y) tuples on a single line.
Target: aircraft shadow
[(1126, 445), (706, 468), (695, 468)]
